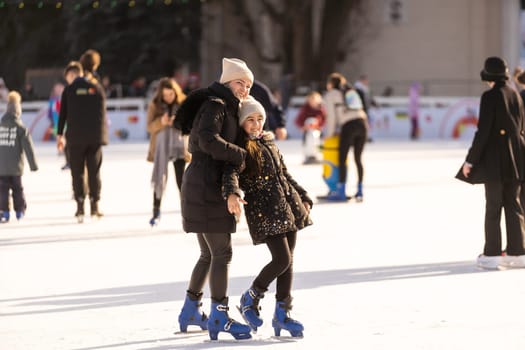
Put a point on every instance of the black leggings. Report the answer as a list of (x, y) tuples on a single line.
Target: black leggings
[(215, 258), (281, 267), (178, 165), (82, 157), (353, 133)]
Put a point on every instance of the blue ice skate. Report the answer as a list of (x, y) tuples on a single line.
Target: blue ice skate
[(191, 315), (339, 194), (154, 221), (219, 321), (249, 308), (359, 193), (281, 320), (4, 217)]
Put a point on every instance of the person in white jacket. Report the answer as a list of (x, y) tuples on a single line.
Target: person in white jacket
[(346, 118)]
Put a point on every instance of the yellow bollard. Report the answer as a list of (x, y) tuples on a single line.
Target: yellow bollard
[(330, 152)]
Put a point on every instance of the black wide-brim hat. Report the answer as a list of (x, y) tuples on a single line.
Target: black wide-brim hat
[(495, 69)]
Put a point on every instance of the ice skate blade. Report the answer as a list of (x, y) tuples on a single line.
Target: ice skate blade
[(240, 337), (490, 268), (193, 331), (326, 199), (287, 337)]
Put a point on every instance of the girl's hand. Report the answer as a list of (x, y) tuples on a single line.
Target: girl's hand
[(307, 207)]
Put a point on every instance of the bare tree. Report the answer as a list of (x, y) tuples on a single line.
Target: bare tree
[(309, 36)]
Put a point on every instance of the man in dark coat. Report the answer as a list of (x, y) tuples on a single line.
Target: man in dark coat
[(496, 159), (83, 109), (204, 209)]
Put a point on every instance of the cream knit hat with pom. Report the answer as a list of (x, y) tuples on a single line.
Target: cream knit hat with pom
[(234, 68)]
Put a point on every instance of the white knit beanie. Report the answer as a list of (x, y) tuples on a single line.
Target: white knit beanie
[(234, 68), (250, 106)]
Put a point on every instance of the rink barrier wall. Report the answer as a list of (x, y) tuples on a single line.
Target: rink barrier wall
[(126, 119), (439, 118)]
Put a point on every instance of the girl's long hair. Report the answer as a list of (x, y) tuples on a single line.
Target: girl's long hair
[(254, 156)]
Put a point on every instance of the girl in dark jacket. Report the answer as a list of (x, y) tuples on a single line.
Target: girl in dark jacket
[(276, 207), (204, 210)]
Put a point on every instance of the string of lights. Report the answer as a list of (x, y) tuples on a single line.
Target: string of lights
[(94, 4)]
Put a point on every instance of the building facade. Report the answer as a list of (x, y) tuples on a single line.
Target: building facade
[(440, 43)]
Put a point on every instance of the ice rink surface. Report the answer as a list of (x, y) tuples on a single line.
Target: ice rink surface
[(394, 272)]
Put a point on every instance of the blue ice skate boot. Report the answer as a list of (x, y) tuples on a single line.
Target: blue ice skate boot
[(281, 320), (191, 313), (249, 308), (219, 321), (359, 193), (156, 218), (339, 194), (19, 215), (5, 216)]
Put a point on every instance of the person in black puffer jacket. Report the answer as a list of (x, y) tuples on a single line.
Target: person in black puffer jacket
[(215, 127)]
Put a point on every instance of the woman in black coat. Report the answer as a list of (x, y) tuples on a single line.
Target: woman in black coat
[(204, 210), (496, 159)]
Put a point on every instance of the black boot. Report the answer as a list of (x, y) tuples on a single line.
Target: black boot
[(80, 210), (156, 211), (95, 212)]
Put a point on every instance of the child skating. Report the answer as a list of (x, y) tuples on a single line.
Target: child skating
[(15, 141), (276, 207)]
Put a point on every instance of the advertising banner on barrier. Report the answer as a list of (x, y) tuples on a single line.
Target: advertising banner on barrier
[(439, 118), (457, 121), (444, 118), (126, 119)]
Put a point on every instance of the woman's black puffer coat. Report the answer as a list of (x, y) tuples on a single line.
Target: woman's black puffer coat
[(211, 143)]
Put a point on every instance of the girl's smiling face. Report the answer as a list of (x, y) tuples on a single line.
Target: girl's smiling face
[(253, 125)]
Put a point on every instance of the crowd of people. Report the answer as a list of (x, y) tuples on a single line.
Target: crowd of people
[(221, 142)]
